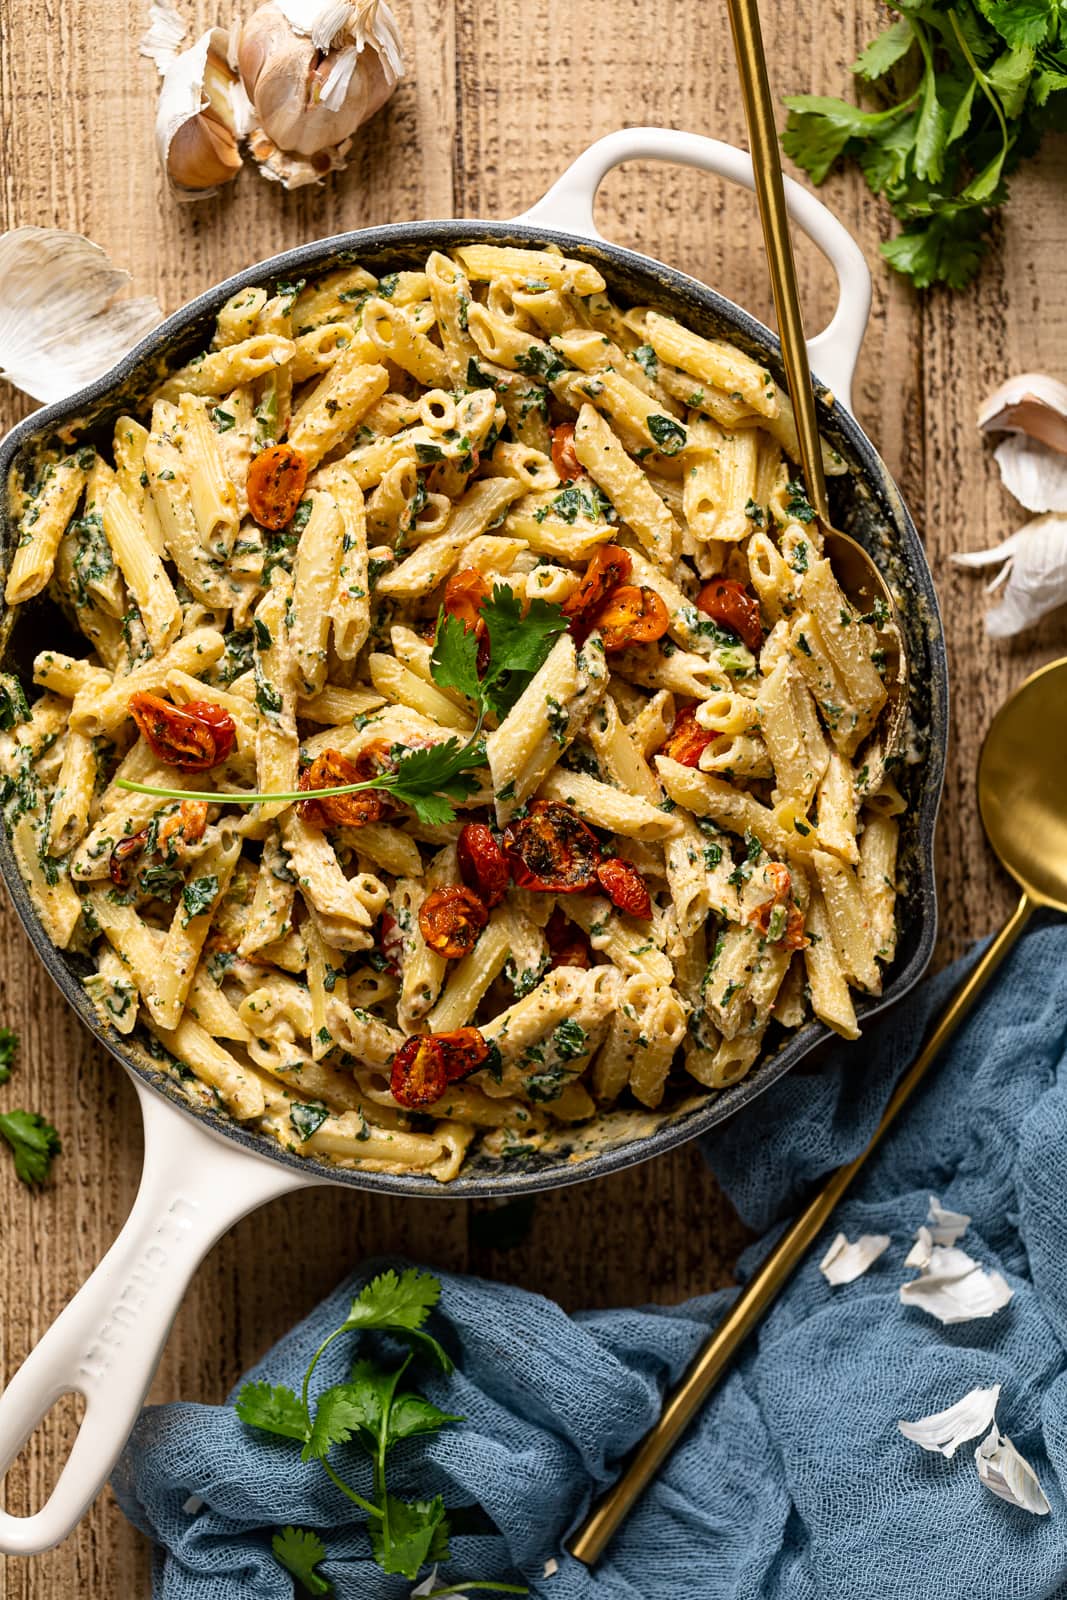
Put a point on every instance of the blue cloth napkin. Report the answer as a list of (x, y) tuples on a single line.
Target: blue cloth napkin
[(795, 1483)]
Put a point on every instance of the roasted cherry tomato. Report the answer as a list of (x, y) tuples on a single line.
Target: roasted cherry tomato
[(625, 888), (464, 1050), (183, 827), (482, 864), (275, 485), (629, 615), (193, 738), (687, 740), (330, 769), (567, 943), (451, 920), (728, 602), (465, 594), (564, 456), (609, 567), (417, 1076), (390, 942), (427, 1063), (125, 856), (551, 849), (780, 919)]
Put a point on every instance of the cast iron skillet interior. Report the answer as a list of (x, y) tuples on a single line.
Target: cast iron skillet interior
[(864, 503)]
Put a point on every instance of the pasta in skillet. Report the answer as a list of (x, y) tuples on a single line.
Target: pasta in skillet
[(504, 602)]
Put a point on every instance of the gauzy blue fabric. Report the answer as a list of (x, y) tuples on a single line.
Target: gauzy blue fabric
[(795, 1483)]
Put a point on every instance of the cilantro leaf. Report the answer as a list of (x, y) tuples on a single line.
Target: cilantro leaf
[(367, 1406), (519, 644), (275, 1410), (1019, 22), (300, 1552), (34, 1141), (400, 1304), (454, 662), (412, 1533), (9, 1043), (428, 780), (885, 51)]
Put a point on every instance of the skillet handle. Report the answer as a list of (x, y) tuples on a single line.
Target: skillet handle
[(568, 205), (106, 1342)]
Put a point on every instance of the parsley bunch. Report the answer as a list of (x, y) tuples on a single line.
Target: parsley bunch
[(967, 91), (374, 1410), (430, 780)]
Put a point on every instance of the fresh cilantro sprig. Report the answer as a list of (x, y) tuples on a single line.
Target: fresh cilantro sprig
[(430, 780), (34, 1142), (519, 643), (372, 1409), (967, 90)]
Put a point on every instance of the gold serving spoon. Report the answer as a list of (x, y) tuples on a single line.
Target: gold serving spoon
[(1022, 796), (854, 569)]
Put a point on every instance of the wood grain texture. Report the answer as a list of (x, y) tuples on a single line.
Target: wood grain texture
[(502, 93)]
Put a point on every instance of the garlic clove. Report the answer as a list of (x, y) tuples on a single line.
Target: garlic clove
[(316, 72), (1031, 403), (1034, 574), (61, 322), (1033, 472), (196, 125)]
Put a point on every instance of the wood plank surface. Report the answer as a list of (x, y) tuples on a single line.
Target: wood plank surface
[(501, 95)]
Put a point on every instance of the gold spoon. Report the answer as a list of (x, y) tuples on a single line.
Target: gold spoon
[(1022, 797), (853, 567)]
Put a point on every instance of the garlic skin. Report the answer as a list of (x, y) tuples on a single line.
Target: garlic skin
[(163, 38), (1031, 403), (316, 71), (1034, 573), (61, 321), (845, 1262), (945, 1431), (1009, 1475), (953, 1287), (196, 124), (1033, 472)]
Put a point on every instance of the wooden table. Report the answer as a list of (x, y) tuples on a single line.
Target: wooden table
[(499, 97)]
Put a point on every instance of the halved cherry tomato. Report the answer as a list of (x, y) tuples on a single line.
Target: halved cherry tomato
[(451, 920), (464, 1050), (625, 888), (564, 456), (193, 738), (609, 566), (629, 615), (275, 485), (551, 849), (427, 1063), (567, 943), (728, 602), (687, 740), (417, 1076), (482, 864), (390, 942), (330, 769), (465, 594), (791, 935)]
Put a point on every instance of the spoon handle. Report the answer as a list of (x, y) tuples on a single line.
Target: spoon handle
[(770, 193), (763, 1288)]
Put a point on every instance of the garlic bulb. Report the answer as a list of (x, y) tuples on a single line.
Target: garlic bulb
[(197, 124), (315, 70), (61, 322)]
